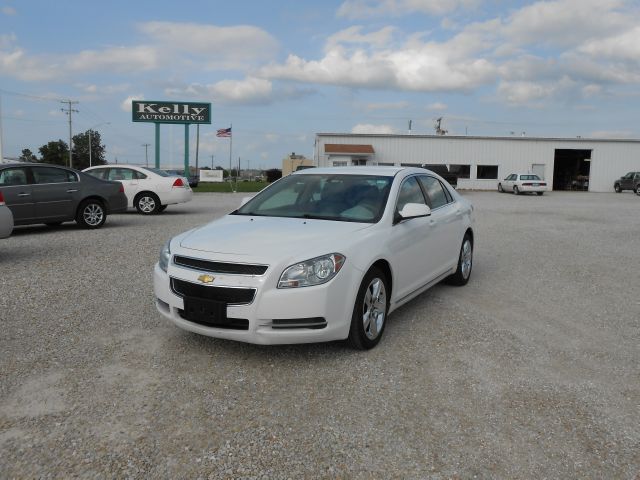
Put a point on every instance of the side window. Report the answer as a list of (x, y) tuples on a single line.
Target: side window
[(139, 175), (43, 175), (435, 191), (99, 173), (410, 192), (13, 176), (121, 174)]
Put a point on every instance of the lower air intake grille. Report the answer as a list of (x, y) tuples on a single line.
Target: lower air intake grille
[(315, 323), (228, 295)]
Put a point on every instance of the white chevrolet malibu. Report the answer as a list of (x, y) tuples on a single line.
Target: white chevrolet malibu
[(322, 254)]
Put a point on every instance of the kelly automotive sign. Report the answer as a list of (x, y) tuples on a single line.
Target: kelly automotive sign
[(170, 112)]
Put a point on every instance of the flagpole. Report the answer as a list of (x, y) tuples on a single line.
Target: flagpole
[(230, 149)]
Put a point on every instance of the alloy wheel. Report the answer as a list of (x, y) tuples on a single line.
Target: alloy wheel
[(467, 258), (374, 308), (147, 204), (93, 214)]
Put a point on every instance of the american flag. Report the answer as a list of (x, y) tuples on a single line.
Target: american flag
[(224, 132)]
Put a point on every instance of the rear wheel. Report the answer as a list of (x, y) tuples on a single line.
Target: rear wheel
[(540, 193), (617, 188), (91, 214), (370, 311), (465, 263), (516, 190), (638, 189), (147, 203), (500, 189)]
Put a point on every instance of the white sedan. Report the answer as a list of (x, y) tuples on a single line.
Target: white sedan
[(523, 183), (322, 254), (149, 190)]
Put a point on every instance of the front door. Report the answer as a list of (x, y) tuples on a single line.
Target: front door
[(55, 192), (18, 194)]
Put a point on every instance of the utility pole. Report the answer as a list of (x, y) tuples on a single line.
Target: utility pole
[(69, 110), (212, 162), (197, 145), (1, 153), (146, 156)]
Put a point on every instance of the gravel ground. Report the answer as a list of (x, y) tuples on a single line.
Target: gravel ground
[(530, 371)]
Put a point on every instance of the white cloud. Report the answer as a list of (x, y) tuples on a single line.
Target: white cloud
[(369, 128), (7, 10), (126, 103), (353, 35), (221, 46), (437, 107), (387, 106), (625, 46), (250, 90), (368, 8)]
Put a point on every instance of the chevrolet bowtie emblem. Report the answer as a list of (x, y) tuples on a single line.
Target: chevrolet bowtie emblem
[(206, 278)]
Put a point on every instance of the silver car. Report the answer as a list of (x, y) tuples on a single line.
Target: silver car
[(6, 219), (51, 194)]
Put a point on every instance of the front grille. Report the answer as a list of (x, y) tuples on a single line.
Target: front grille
[(228, 295), (220, 267), (229, 323)]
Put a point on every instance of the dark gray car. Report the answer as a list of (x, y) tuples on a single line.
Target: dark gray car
[(630, 181), (43, 193)]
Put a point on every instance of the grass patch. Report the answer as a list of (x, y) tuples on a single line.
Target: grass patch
[(226, 187)]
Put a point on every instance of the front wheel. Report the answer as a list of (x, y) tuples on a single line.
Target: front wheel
[(465, 263), (540, 193), (147, 203), (638, 189), (617, 188), (91, 214), (370, 311), (500, 189), (516, 190)]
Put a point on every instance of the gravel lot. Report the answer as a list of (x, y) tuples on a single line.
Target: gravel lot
[(530, 371)]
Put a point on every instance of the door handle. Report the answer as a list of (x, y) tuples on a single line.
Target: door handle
[(23, 194), (72, 190)]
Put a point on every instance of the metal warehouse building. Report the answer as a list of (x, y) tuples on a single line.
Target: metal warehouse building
[(565, 163)]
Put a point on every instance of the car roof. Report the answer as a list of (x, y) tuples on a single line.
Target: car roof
[(116, 165), (359, 170)]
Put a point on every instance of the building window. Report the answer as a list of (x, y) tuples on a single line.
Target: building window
[(410, 164), (487, 172), (462, 171), (358, 162), (339, 164), (384, 164)]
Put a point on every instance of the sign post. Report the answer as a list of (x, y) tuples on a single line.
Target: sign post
[(184, 113)]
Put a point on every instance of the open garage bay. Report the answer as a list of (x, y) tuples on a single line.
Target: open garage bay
[(530, 371)]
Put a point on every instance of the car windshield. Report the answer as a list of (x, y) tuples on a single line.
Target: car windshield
[(529, 177), (345, 198), (157, 171)]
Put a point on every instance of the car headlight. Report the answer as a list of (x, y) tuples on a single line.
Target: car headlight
[(312, 272), (165, 256)]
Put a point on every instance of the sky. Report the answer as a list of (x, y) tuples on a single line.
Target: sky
[(282, 71)]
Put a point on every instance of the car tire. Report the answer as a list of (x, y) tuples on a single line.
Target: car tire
[(500, 189), (91, 214), (617, 188), (465, 263), (147, 203), (540, 193), (516, 190), (162, 208), (372, 301), (638, 189)]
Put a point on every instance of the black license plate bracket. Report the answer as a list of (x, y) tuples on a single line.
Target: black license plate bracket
[(201, 310)]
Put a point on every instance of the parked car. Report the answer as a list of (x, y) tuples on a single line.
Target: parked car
[(6, 218), (322, 254), (50, 194), (631, 181), (523, 183), (193, 179), (149, 190), (444, 172)]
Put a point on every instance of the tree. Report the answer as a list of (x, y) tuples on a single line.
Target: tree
[(56, 153), (273, 174), (28, 156), (81, 149)]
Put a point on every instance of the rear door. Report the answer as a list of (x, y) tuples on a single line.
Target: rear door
[(56, 193), (18, 193)]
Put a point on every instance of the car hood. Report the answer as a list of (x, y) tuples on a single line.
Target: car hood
[(269, 238)]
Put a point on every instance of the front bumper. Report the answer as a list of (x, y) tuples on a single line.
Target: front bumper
[(326, 308)]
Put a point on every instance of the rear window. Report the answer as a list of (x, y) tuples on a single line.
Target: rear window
[(157, 171), (529, 177)]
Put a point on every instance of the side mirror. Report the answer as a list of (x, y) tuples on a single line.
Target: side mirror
[(244, 200), (414, 210)]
